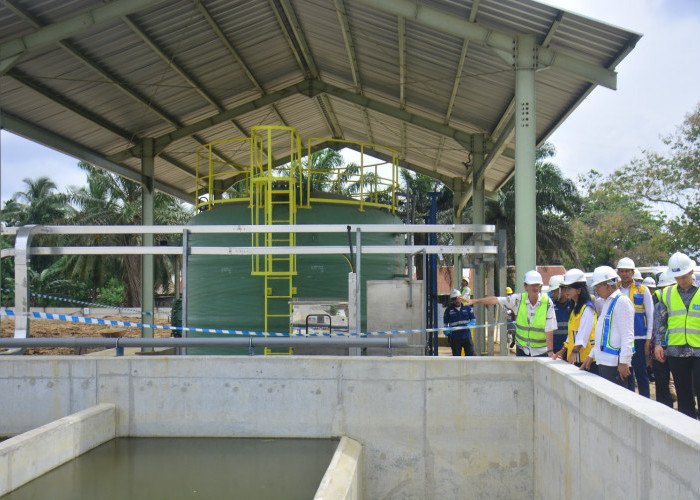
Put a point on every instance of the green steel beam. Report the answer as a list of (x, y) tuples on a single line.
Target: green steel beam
[(352, 59), (163, 141), (235, 54), (70, 27), (59, 143), (525, 146), (463, 138), (147, 219), (402, 82), (494, 39)]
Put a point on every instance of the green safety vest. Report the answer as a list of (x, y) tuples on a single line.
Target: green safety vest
[(683, 324), (532, 335)]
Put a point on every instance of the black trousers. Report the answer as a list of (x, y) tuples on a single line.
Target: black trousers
[(463, 341), (686, 372), (662, 379), (610, 373)]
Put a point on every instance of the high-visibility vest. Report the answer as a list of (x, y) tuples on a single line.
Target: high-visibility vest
[(527, 334), (574, 322), (605, 345), (657, 295), (683, 324), (466, 292), (640, 316)]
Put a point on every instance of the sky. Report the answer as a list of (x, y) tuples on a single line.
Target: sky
[(658, 84)]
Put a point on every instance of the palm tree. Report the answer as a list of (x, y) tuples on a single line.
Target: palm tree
[(112, 200), (39, 203), (558, 203)]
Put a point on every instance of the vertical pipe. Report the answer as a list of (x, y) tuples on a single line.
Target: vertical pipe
[(525, 141), (502, 282), (478, 217), (147, 218), (185, 273), (433, 273), (358, 290)]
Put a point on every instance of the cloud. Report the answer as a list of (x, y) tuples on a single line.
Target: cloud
[(21, 159), (657, 86)]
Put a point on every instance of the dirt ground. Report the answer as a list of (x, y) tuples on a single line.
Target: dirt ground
[(60, 329)]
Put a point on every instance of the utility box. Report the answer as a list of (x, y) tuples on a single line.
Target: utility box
[(319, 317), (397, 304), (324, 316)]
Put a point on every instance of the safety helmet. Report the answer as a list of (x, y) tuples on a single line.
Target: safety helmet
[(455, 293), (555, 281), (680, 264), (604, 274), (509, 290), (637, 276), (625, 263), (573, 276), (665, 279), (533, 278), (466, 279), (649, 281)]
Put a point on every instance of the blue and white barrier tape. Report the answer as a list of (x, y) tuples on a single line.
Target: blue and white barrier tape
[(109, 322), (94, 304)]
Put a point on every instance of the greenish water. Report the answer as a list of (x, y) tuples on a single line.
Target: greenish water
[(188, 468)]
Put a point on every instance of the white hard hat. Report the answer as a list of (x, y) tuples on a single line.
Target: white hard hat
[(625, 263), (649, 281), (680, 264), (604, 274), (637, 275), (665, 279), (555, 281), (533, 278), (455, 293), (574, 276)]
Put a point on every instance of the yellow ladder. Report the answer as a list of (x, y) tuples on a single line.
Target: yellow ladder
[(274, 202)]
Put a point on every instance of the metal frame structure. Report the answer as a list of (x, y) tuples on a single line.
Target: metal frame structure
[(24, 235), (136, 86)]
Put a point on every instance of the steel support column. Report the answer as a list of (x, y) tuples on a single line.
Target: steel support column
[(525, 141), (147, 207), (478, 217)]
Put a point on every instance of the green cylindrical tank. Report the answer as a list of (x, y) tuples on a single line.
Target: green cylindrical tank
[(222, 293)]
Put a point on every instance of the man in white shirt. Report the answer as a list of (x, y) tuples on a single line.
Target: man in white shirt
[(643, 304), (614, 331), (535, 320)]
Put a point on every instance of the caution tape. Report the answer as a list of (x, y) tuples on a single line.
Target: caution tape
[(93, 304), (109, 322)]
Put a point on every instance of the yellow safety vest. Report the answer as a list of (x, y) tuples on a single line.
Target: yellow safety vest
[(640, 316), (574, 322), (683, 324), (527, 334)]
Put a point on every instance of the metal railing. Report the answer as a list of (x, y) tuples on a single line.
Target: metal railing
[(23, 249)]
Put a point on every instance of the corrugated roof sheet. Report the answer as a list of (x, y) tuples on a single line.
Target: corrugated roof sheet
[(164, 66)]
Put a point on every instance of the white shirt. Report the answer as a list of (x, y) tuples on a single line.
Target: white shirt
[(584, 327), (621, 330), (512, 302), (648, 308)]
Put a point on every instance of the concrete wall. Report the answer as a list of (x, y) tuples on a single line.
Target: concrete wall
[(343, 480), (430, 427), (29, 455), (594, 439)]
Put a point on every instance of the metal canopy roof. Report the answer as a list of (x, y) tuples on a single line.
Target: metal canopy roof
[(94, 79)]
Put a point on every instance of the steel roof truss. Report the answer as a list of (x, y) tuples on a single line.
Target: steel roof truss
[(69, 27), (495, 40)]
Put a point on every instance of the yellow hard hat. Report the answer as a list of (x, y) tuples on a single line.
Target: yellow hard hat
[(509, 290)]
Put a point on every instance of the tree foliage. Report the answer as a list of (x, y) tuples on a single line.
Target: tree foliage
[(672, 180), (557, 204)]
